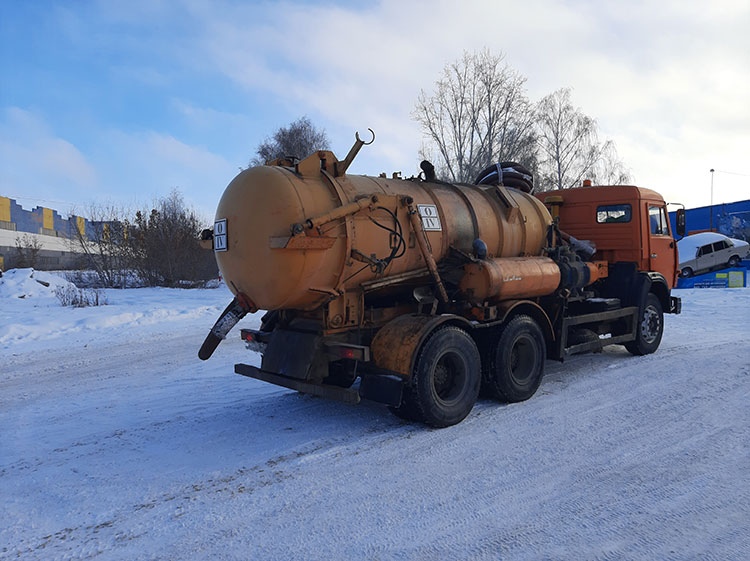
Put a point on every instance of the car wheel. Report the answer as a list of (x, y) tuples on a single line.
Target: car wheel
[(734, 260), (686, 272)]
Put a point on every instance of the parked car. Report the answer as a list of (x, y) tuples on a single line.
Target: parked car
[(708, 251)]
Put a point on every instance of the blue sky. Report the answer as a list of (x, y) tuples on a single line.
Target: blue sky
[(120, 102)]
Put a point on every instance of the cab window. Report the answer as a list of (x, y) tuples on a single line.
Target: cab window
[(607, 214), (658, 220)]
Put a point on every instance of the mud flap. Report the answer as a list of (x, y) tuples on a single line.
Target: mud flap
[(295, 354), (386, 389)]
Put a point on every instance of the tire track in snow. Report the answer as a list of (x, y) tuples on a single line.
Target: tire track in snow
[(616, 457)]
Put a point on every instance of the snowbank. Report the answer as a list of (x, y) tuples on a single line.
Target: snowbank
[(28, 283)]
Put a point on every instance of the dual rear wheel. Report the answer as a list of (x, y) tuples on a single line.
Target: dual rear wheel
[(448, 373)]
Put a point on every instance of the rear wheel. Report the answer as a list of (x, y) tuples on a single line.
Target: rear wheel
[(446, 379), (650, 327), (686, 272), (516, 363)]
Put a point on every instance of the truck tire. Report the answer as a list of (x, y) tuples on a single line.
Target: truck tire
[(516, 362), (446, 379), (650, 327)]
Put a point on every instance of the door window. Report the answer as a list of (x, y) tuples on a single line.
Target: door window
[(658, 220)]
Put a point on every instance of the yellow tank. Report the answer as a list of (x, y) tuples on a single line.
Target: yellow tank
[(298, 237)]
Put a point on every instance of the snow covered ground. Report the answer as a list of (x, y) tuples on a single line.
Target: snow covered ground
[(116, 442)]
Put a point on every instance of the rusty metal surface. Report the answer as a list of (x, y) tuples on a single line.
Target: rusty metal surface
[(395, 346), (356, 215), (301, 242), (426, 250), (509, 278)]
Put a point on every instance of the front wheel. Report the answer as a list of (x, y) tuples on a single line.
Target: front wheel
[(734, 260), (446, 379), (686, 272), (650, 327)]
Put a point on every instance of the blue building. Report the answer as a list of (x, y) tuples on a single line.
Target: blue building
[(730, 219)]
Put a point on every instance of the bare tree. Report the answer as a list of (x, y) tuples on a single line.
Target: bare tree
[(610, 170), (477, 115), (27, 251), (159, 247), (165, 248), (300, 139), (103, 242), (569, 146)]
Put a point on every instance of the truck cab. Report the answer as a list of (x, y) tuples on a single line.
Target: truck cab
[(625, 224)]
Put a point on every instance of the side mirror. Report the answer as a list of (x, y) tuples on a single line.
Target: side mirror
[(681, 222)]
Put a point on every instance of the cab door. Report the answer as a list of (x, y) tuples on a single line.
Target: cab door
[(661, 245)]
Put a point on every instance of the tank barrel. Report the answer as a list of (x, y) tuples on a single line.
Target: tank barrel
[(295, 240)]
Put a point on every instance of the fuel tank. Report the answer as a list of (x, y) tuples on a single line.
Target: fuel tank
[(296, 237)]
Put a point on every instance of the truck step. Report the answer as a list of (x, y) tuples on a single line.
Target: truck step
[(602, 304)]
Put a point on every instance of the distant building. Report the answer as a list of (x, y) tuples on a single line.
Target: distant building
[(41, 231), (730, 219)]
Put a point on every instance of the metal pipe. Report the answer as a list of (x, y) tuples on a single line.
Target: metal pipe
[(339, 212), (419, 233)]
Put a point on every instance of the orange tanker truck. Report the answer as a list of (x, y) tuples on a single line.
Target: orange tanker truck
[(416, 292)]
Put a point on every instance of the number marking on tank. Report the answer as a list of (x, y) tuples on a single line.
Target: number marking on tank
[(430, 218), (220, 235)]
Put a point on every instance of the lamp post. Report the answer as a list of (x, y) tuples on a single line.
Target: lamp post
[(711, 208)]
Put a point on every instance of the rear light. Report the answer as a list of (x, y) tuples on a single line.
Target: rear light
[(350, 352), (255, 340), (248, 335)]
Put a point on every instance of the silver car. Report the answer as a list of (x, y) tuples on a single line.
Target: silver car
[(708, 250)]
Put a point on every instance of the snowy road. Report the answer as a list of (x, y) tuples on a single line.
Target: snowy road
[(116, 442)]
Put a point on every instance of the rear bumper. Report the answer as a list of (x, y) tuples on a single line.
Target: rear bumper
[(347, 395), (379, 386)]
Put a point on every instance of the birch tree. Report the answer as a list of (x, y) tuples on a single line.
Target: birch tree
[(477, 114), (569, 146)]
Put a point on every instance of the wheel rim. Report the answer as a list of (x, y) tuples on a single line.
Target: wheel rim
[(449, 378), (650, 325), (523, 359)]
